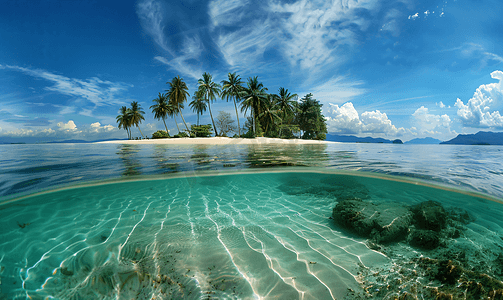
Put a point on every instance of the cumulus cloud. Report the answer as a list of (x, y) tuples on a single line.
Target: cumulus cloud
[(21, 132), (97, 128), (481, 111), (428, 124), (69, 126), (345, 120)]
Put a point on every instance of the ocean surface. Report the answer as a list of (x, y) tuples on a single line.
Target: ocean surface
[(112, 221)]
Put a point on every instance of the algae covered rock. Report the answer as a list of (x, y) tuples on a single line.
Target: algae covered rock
[(384, 222), (429, 215), (425, 239)]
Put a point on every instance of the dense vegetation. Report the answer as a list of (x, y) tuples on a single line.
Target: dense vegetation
[(271, 115)]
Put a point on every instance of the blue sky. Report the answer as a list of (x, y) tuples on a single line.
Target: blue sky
[(382, 68)]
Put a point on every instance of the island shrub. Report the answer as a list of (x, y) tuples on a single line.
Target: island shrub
[(201, 130), (160, 134), (287, 131), (248, 128), (310, 118), (181, 135)]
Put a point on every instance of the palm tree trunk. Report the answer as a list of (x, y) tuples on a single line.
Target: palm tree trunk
[(197, 119), (239, 128), (140, 131), (176, 123), (164, 121), (181, 115), (211, 115), (254, 123)]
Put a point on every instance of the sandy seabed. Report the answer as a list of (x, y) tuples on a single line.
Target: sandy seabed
[(217, 141)]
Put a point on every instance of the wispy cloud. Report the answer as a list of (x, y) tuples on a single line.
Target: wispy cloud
[(337, 90), (182, 57), (98, 92), (251, 36)]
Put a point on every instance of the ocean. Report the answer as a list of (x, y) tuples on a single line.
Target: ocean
[(331, 221)]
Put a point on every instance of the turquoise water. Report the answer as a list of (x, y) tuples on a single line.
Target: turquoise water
[(221, 222), (29, 168)]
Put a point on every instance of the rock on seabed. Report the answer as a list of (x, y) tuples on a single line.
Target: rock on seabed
[(382, 223)]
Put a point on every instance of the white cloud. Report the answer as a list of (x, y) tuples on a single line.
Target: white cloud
[(94, 90), (244, 48), (414, 16), (307, 36), (153, 17), (224, 12), (97, 128), (21, 132), (432, 125), (345, 120), (337, 90), (65, 110), (69, 126), (481, 109), (310, 35)]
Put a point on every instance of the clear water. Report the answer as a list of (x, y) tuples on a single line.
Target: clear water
[(220, 223), (28, 168)]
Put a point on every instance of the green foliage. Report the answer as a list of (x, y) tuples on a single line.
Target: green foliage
[(160, 134), (248, 129), (177, 95), (287, 131), (310, 118), (210, 90), (160, 108), (201, 130), (231, 89), (254, 97), (181, 135), (198, 104)]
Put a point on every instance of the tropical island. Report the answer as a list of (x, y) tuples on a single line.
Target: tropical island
[(277, 116)]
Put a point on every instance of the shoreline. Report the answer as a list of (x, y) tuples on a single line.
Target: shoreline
[(218, 141)]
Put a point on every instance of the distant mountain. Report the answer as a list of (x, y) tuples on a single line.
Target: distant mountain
[(69, 142), (480, 138), (81, 141), (427, 140), (355, 139)]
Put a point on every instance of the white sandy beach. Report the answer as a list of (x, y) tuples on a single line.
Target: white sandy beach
[(217, 141)]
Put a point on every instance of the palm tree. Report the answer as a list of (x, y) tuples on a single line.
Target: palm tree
[(172, 111), (198, 105), (254, 96), (124, 120), (285, 104), (178, 94), (269, 114), (210, 90), (231, 89), (136, 115), (160, 109)]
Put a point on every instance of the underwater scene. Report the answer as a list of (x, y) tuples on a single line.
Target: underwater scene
[(276, 224)]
